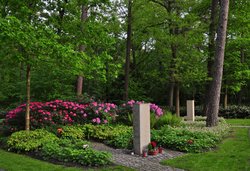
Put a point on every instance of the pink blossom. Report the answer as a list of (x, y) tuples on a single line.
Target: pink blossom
[(98, 120)]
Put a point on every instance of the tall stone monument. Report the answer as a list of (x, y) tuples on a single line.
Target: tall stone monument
[(141, 126), (190, 110)]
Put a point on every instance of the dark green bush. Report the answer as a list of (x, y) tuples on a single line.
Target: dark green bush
[(67, 150), (30, 140), (235, 112)]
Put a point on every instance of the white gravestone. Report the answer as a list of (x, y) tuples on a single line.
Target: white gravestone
[(190, 110), (141, 127)]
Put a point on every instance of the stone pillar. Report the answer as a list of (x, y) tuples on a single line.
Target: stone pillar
[(141, 127), (190, 110)]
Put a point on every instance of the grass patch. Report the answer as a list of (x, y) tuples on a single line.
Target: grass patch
[(12, 162), (233, 154), (242, 122)]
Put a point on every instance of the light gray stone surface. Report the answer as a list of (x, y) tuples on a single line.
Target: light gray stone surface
[(141, 127), (149, 163), (190, 110)]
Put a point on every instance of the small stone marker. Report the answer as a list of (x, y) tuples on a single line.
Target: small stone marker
[(190, 110), (141, 126)]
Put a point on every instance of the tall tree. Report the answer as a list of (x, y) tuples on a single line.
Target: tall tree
[(215, 86), (211, 47), (128, 50), (80, 78)]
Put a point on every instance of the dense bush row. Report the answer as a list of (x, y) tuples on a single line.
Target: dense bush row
[(229, 112), (48, 146), (60, 112), (235, 112)]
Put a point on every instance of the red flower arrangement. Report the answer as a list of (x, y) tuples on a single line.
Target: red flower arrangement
[(152, 148)]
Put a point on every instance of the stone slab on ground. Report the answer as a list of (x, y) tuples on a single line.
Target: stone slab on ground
[(150, 163)]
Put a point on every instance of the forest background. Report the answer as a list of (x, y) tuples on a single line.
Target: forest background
[(152, 50)]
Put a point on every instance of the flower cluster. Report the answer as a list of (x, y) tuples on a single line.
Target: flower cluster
[(152, 146), (127, 107), (61, 113)]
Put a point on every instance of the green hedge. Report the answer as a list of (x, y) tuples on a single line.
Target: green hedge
[(232, 111)]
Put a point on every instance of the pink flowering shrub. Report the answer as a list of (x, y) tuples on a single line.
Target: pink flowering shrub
[(59, 112), (126, 109)]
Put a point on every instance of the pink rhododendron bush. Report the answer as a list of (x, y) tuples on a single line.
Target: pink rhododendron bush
[(60, 112)]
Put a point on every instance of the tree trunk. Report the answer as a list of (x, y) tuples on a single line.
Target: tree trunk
[(128, 49), (171, 96), (215, 88), (177, 99), (225, 99), (211, 48), (80, 78), (27, 114)]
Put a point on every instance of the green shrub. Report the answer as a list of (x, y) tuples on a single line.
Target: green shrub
[(66, 150), (184, 140), (119, 136), (98, 132), (232, 111), (30, 140), (219, 131), (167, 119), (122, 137), (235, 112), (73, 132)]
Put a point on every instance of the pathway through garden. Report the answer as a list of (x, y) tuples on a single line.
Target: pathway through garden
[(149, 163)]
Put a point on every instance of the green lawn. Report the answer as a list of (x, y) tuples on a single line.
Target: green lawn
[(233, 154), (243, 122), (13, 162)]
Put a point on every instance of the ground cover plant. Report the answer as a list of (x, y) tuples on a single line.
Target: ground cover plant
[(25, 163), (191, 136), (49, 146), (232, 154)]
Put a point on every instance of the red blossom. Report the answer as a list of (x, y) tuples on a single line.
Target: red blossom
[(190, 141)]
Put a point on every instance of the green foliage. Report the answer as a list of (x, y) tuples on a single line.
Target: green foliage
[(191, 136), (184, 140), (30, 140), (167, 119), (118, 136), (122, 137), (74, 132), (99, 132), (235, 112), (66, 150)]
